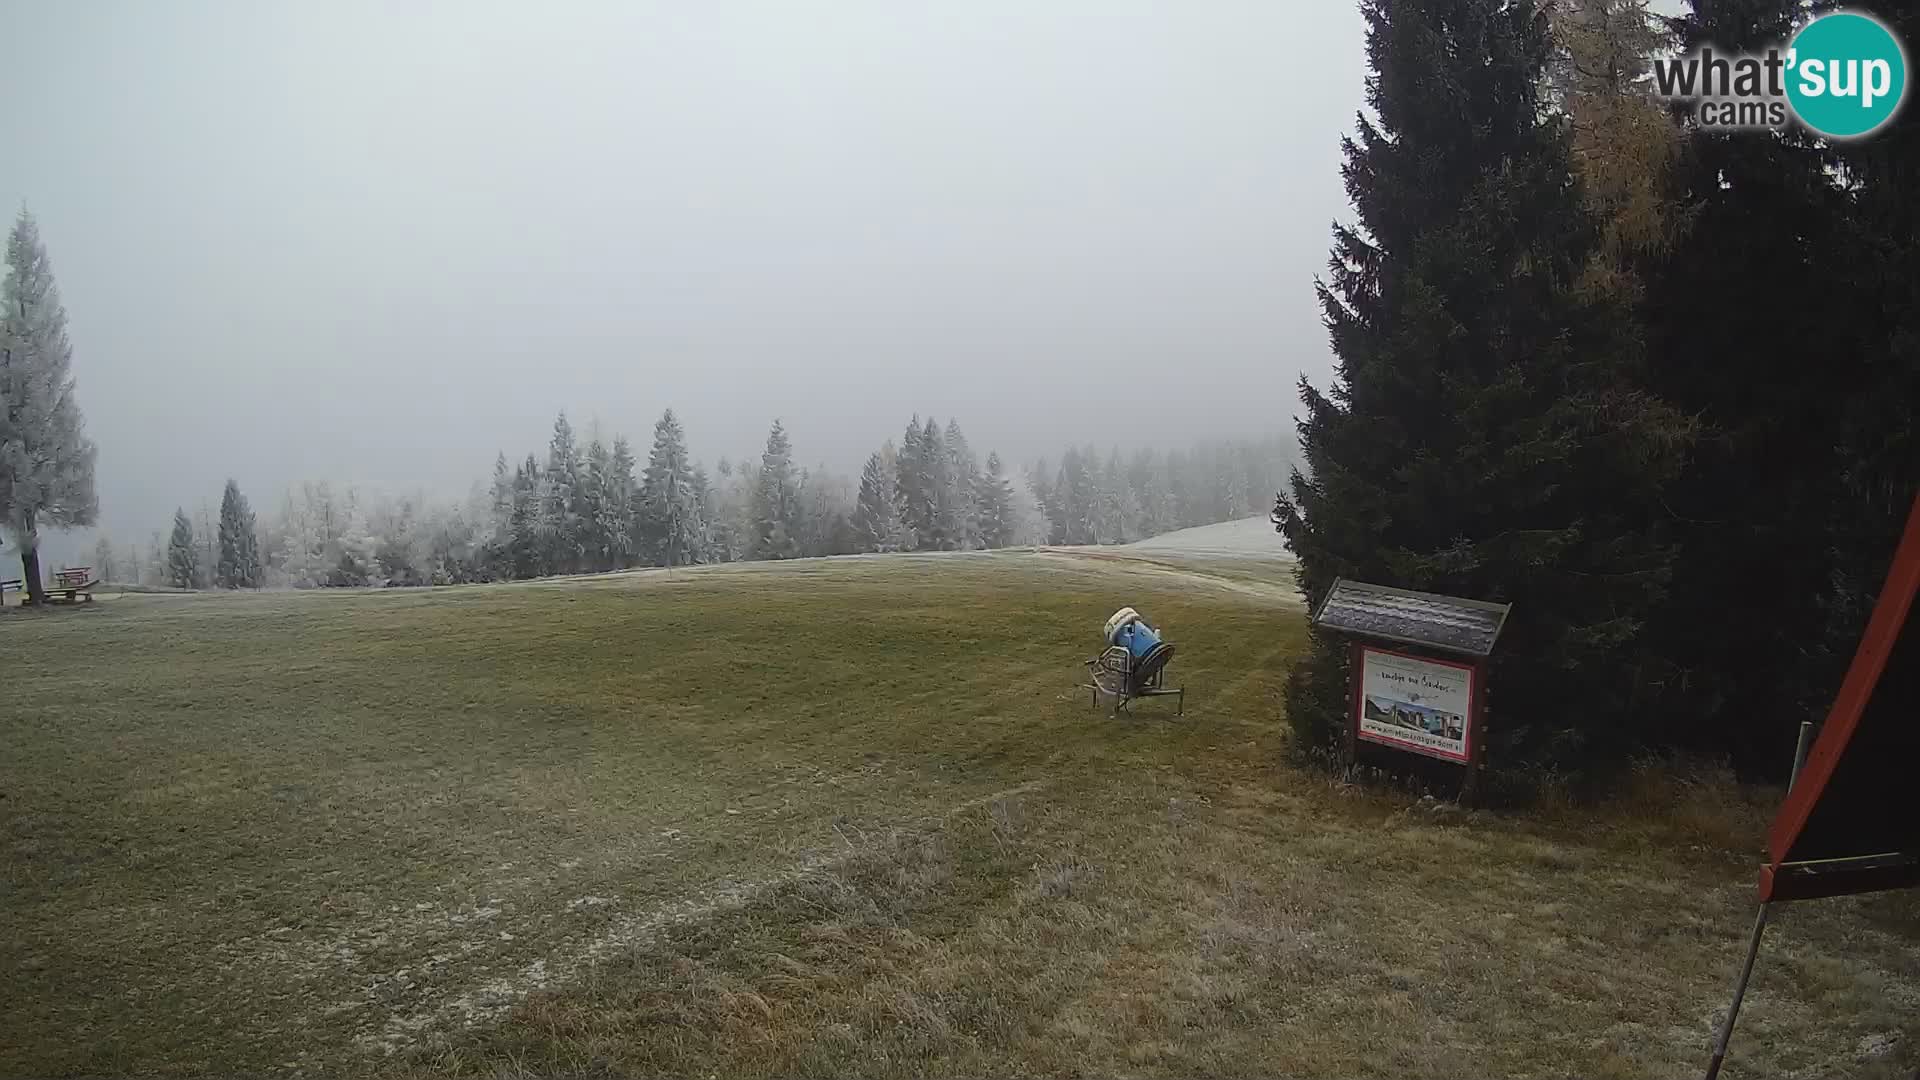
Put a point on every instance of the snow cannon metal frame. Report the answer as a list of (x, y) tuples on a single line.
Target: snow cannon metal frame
[(1133, 665)]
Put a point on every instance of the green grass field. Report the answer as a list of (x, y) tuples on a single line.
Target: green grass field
[(829, 818)]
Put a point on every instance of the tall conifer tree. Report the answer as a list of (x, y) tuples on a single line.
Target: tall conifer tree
[(1739, 663), (876, 516), (674, 530), (1482, 437), (183, 557), (776, 500), (993, 499), (238, 565), (46, 458)]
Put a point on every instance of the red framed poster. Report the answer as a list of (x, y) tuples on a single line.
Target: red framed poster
[(1415, 703)]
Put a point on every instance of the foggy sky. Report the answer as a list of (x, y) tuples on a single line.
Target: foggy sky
[(376, 243)]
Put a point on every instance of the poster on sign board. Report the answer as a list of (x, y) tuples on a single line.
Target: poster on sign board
[(1416, 704)]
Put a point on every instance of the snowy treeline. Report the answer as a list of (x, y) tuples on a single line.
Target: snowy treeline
[(318, 535), (599, 507), (1088, 500), (931, 493)]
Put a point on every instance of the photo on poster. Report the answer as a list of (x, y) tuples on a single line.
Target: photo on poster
[(1416, 704)]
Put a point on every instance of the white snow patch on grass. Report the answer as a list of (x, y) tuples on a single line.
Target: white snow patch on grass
[(1252, 537)]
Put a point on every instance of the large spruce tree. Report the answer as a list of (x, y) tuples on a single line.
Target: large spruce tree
[(1762, 330), (1483, 436), (1880, 428)]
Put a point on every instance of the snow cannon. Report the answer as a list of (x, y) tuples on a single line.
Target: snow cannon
[(1146, 652), (1131, 663)]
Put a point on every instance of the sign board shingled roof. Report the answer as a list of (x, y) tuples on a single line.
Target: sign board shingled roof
[(1446, 623)]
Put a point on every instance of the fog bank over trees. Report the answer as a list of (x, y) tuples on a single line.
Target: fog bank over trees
[(596, 505), (335, 243)]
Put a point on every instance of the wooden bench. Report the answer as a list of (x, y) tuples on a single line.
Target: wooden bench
[(15, 585)]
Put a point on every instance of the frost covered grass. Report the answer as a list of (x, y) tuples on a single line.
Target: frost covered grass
[(833, 817), (1225, 917), (237, 827), (1242, 538)]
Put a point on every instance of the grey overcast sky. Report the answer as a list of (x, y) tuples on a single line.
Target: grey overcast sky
[(376, 242)]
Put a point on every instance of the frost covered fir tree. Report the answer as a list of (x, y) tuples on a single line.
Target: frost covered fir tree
[(702, 539), (1157, 507), (355, 563), (500, 513), (993, 502), (106, 561), (826, 514), (560, 501), (943, 531), (776, 500), (590, 504), (963, 477), (1117, 513), (675, 533), (877, 523), (1046, 499), (617, 505), (730, 511), (238, 565), (526, 543), (183, 558), (301, 543), (46, 459), (911, 486), (1076, 499)]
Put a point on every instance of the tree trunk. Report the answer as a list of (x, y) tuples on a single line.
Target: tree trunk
[(30, 563)]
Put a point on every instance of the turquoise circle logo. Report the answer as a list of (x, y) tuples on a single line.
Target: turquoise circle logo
[(1846, 74)]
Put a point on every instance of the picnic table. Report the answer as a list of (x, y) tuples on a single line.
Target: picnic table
[(73, 584)]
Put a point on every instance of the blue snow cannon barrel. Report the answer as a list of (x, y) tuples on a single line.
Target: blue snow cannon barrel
[(1139, 638), (1148, 653)]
